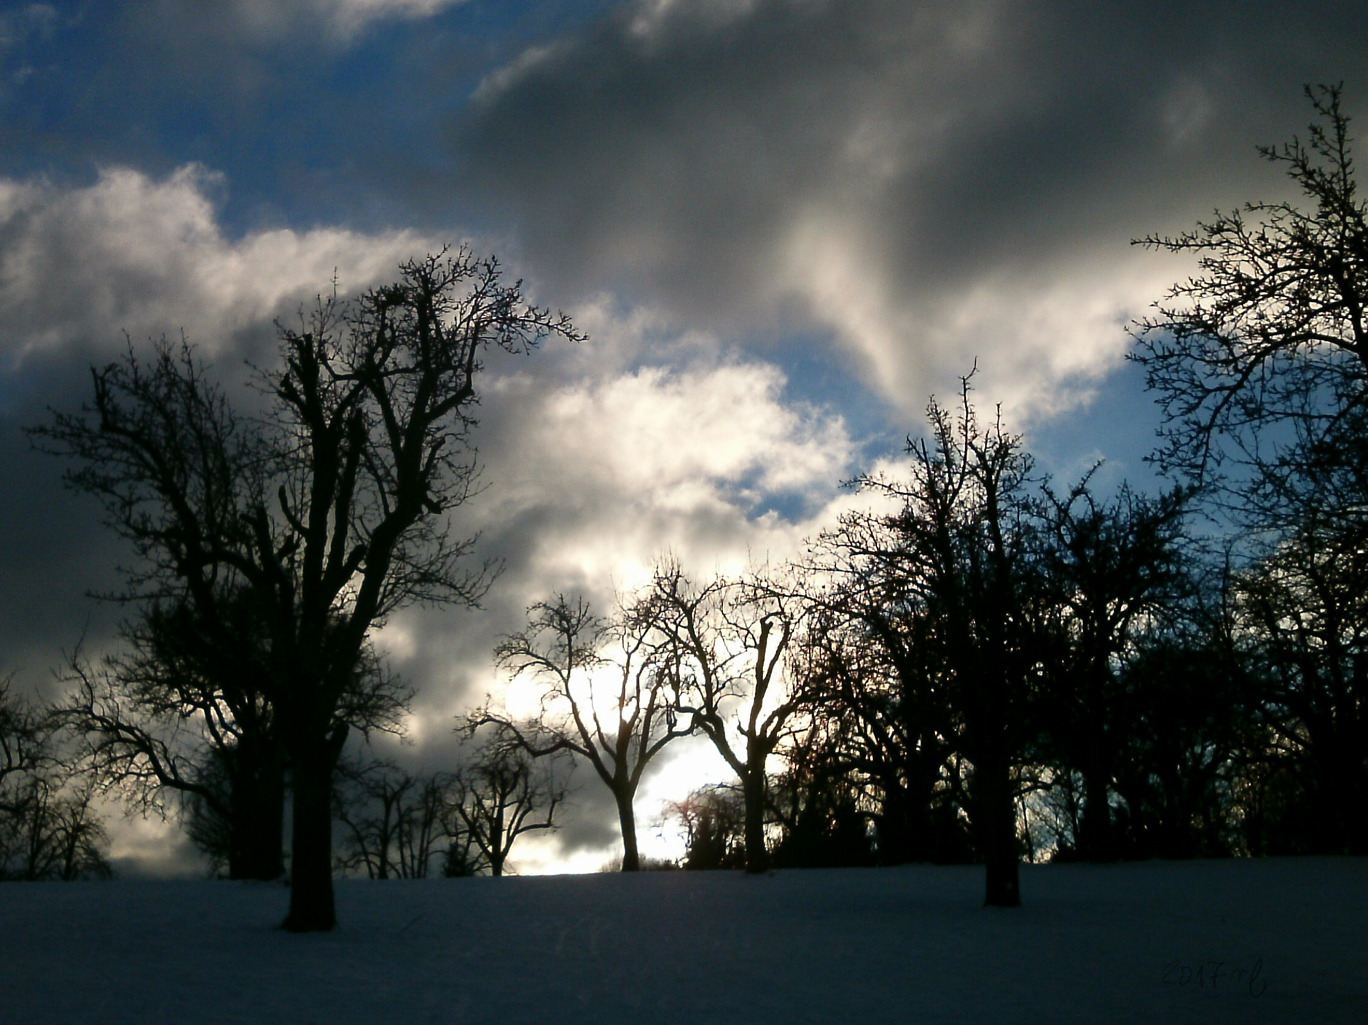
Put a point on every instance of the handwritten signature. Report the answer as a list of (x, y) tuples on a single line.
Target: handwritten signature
[(1216, 975)]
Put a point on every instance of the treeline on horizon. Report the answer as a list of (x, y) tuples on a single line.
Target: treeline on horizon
[(976, 665)]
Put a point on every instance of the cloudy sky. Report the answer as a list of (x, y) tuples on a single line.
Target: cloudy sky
[(783, 223)]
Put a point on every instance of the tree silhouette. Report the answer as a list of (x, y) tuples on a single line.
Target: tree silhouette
[(394, 823), (819, 800), (1261, 363), (723, 645), (1261, 359), (48, 827), (333, 514), (607, 699), (22, 746), (961, 554), (872, 675), (169, 714), (499, 794), (1303, 610), (1114, 571), (714, 821)]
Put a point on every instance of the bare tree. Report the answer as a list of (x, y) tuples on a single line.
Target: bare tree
[(1115, 571), (713, 818), (48, 828), (21, 747), (607, 699), (724, 645), (821, 801), (499, 794), (1303, 618), (960, 558), (394, 823), (875, 687), (1261, 363), (54, 833), (1261, 359), (167, 716), (332, 515)]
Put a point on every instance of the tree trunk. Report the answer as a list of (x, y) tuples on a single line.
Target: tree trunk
[(311, 886), (257, 830), (631, 859), (1356, 808), (905, 829), (753, 793), (1342, 785), (997, 834), (498, 850)]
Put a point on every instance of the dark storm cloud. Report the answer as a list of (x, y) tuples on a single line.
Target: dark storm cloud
[(890, 166)]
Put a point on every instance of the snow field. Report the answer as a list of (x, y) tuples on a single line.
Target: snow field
[(1277, 940)]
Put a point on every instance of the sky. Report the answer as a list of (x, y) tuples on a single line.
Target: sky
[(783, 224)]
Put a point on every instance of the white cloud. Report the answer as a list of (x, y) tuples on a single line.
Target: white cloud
[(619, 468), (654, 429), (526, 63), (132, 253), (1044, 335)]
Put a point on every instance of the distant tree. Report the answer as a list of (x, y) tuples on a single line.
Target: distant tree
[(332, 513), (21, 747), (48, 828), (499, 794), (964, 553), (607, 699), (873, 678), (713, 818), (54, 833), (1114, 572), (1303, 619), (1191, 708), (394, 824), (170, 715), (463, 855), (821, 804), (723, 645)]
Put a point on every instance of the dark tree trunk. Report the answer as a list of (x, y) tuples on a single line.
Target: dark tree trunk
[(1356, 807), (498, 850), (753, 793), (1342, 819), (905, 829), (311, 885), (631, 859), (997, 834), (257, 830)]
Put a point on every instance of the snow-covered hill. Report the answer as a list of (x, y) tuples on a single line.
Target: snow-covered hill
[(1281, 940)]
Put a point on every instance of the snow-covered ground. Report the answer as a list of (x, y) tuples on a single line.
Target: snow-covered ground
[(1282, 940)]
